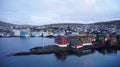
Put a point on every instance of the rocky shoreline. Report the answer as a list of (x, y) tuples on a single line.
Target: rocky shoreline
[(50, 49)]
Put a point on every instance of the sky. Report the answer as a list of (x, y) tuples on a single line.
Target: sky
[(41, 12)]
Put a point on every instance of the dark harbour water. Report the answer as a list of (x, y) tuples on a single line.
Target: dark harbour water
[(96, 58)]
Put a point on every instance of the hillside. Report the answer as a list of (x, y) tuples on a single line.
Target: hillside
[(114, 22), (64, 24), (4, 24)]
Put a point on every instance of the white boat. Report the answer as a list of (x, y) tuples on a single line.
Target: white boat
[(1, 34), (35, 34)]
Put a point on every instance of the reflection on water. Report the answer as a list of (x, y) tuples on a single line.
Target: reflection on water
[(108, 51), (24, 38), (63, 55)]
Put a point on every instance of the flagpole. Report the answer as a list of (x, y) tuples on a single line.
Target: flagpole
[(43, 42)]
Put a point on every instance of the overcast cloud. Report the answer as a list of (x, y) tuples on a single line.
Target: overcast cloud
[(40, 12)]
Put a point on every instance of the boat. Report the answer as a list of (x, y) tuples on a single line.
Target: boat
[(35, 34), (1, 34)]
